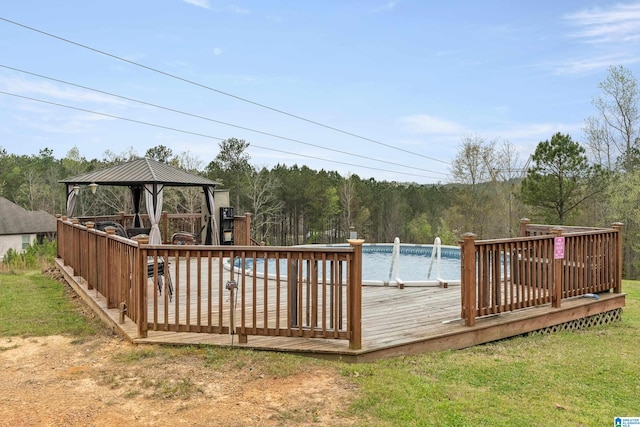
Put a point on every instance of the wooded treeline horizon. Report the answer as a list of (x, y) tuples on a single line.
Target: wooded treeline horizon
[(564, 182)]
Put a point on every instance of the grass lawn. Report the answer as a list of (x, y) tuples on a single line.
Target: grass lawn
[(32, 304), (581, 378)]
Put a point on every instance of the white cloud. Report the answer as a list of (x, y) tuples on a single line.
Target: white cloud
[(239, 10), (619, 24), (275, 18), (425, 124), (585, 65), (534, 132), (390, 5), (29, 88), (200, 3), (526, 136), (205, 4), (57, 121), (612, 35), (217, 51)]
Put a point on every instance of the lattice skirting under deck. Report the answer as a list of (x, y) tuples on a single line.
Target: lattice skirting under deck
[(586, 322)]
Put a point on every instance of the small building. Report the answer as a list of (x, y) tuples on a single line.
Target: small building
[(19, 228)]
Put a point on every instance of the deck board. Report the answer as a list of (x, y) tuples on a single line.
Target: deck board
[(394, 321)]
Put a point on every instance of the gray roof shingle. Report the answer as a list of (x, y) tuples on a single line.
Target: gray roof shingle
[(17, 220)]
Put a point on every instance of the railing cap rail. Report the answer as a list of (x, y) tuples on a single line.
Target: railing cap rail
[(565, 233), (235, 248), (563, 227)]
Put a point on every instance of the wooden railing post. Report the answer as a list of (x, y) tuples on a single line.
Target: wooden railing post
[(68, 248), (556, 296), (109, 288), (247, 224), (355, 294), (58, 235), (76, 246), (63, 239), (618, 261), (524, 222), (140, 288), (91, 257), (232, 308), (468, 276), (165, 227)]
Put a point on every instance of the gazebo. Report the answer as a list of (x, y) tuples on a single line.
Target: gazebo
[(148, 176)]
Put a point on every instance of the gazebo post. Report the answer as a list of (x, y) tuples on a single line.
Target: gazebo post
[(141, 289), (136, 194)]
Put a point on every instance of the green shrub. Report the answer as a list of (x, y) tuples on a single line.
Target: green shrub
[(36, 255)]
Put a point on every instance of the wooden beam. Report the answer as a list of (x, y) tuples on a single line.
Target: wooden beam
[(355, 290), (468, 277)]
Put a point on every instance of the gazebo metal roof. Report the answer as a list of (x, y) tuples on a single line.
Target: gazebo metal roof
[(141, 171)]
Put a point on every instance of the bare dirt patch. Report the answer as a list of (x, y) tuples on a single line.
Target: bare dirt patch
[(104, 381)]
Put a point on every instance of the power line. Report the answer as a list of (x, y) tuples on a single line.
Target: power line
[(155, 70), (217, 121), (206, 136)]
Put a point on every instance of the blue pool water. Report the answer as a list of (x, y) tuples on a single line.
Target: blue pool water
[(414, 264)]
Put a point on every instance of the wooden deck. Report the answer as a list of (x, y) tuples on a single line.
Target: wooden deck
[(394, 322)]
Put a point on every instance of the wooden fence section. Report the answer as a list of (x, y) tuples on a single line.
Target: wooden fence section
[(106, 262), (591, 263), (246, 290), (528, 230), (509, 274), (269, 291)]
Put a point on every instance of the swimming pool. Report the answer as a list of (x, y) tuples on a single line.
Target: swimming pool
[(414, 266)]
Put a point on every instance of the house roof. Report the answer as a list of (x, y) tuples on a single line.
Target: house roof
[(17, 220), (141, 171)]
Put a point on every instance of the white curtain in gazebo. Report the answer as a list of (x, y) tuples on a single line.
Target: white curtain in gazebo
[(215, 236), (71, 200), (154, 210)]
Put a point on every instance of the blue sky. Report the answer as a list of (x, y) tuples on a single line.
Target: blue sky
[(400, 82)]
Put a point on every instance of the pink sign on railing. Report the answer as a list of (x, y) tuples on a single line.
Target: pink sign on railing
[(558, 247)]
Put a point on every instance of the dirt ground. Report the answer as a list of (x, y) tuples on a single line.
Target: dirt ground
[(53, 381), (105, 381)]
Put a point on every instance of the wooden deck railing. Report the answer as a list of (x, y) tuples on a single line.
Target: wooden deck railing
[(106, 262), (509, 274), (527, 229), (297, 292), (316, 292)]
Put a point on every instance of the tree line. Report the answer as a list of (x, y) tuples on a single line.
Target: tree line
[(492, 187)]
